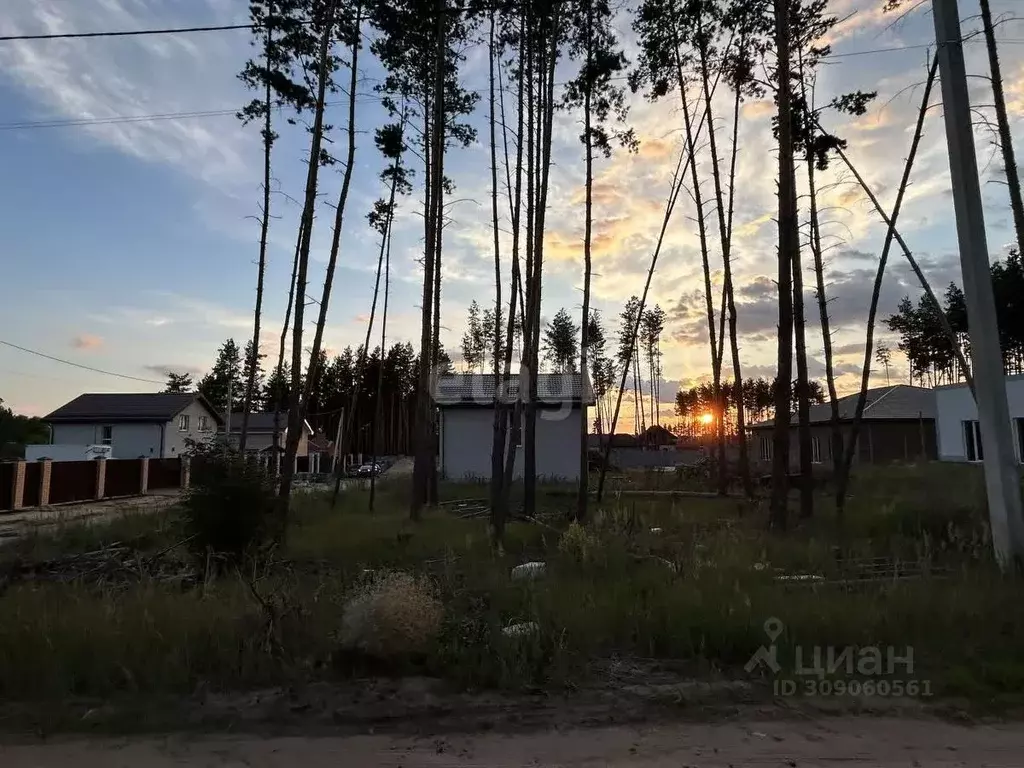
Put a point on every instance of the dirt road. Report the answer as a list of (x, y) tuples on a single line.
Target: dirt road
[(848, 741)]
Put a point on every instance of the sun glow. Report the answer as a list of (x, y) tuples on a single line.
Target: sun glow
[(706, 418)]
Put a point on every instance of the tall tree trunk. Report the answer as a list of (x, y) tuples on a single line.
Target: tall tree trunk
[(730, 297), (789, 242), (843, 479), (295, 406), (802, 391), (1003, 121), (529, 340), (268, 142), (424, 472), (378, 401), (276, 444), (836, 434), (588, 219), (705, 258)]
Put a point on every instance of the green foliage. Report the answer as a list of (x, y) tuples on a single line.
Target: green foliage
[(228, 510), (561, 343), (18, 431), (179, 382), (225, 376)]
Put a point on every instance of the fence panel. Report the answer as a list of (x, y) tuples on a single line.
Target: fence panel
[(72, 481), (6, 480), (124, 477), (33, 474), (164, 474)]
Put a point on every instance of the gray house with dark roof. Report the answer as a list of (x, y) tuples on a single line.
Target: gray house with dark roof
[(260, 433), (466, 432), (898, 425), (153, 425)]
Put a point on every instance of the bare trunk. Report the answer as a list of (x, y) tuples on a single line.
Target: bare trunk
[(588, 218), (789, 242), (1003, 121), (284, 336), (532, 180), (848, 453), (378, 402), (268, 142), (295, 406), (802, 392)]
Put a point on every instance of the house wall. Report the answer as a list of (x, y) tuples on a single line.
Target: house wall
[(879, 442), (467, 435), (955, 405), (259, 441), (129, 441)]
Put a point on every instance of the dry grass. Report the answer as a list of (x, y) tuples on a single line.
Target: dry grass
[(391, 615)]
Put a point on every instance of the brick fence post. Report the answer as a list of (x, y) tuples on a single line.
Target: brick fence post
[(101, 477), (143, 475), (45, 472), (186, 472), (18, 485)]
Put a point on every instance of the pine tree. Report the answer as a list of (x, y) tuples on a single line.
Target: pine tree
[(179, 382), (561, 347), (225, 378)]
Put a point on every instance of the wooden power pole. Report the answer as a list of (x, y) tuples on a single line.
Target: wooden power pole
[(1002, 479)]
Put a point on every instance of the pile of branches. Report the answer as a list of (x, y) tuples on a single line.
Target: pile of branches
[(115, 565)]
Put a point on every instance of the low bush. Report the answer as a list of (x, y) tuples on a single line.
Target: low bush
[(392, 615), (229, 508)]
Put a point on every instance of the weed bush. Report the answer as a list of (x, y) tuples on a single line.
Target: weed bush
[(392, 615), (229, 507)]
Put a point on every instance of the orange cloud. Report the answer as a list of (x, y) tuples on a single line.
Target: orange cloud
[(657, 149), (756, 109), (1015, 94), (86, 341)]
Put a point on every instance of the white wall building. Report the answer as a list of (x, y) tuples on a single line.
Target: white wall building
[(959, 433), (466, 433)]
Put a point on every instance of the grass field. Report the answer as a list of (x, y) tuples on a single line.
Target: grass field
[(680, 581)]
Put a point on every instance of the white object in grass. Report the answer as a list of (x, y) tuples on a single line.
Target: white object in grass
[(656, 531), (528, 571), (521, 630)]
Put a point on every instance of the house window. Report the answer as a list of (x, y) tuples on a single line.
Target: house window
[(106, 435), (183, 423), (815, 450), (204, 423), (766, 449), (972, 441)]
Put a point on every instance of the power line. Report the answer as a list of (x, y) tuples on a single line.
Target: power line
[(79, 365), (125, 33)]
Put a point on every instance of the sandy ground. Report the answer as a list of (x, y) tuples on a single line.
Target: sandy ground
[(848, 741)]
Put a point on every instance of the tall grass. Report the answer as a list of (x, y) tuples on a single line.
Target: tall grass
[(655, 579)]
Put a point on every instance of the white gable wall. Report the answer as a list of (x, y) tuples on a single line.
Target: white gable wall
[(955, 404), (467, 435)]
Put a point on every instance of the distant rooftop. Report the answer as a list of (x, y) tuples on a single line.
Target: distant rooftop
[(897, 402), (480, 389), (141, 407)]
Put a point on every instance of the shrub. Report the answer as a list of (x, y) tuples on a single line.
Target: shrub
[(391, 615), (230, 503), (578, 543)]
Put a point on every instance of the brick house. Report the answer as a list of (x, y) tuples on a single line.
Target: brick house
[(898, 426)]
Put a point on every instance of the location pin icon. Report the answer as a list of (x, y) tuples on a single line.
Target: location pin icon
[(773, 628)]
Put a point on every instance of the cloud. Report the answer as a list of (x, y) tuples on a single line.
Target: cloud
[(162, 369), (754, 110), (87, 341)]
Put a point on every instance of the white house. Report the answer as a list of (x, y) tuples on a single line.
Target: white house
[(156, 425), (466, 433), (959, 434)]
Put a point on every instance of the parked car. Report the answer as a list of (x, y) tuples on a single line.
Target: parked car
[(368, 470)]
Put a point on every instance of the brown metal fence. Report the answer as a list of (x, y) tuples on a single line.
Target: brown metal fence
[(164, 473), (124, 477), (6, 483), (72, 481), (33, 475)]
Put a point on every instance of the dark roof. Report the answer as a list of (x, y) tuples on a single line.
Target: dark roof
[(143, 407), (479, 389), (898, 402), (261, 422)]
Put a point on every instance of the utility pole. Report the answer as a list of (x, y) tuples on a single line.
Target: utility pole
[(1002, 480)]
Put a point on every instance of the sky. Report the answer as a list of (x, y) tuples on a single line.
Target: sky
[(131, 245)]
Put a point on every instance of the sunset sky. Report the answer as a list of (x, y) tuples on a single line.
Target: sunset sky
[(131, 246)]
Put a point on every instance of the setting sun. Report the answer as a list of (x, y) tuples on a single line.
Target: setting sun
[(706, 418)]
